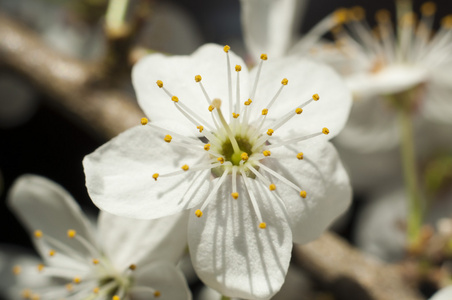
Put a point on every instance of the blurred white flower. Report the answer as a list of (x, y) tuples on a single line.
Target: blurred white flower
[(236, 164), (128, 258), (443, 294)]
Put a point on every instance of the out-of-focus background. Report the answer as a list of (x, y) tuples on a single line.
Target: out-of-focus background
[(40, 135)]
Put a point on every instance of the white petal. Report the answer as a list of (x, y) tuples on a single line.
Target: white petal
[(306, 78), (231, 253), (129, 241), (321, 174), (443, 294), (119, 176), (437, 104), (43, 205), (269, 26), (177, 74), (163, 277)]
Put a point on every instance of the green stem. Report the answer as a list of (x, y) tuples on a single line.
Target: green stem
[(414, 218)]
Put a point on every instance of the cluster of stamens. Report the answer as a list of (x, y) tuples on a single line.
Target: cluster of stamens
[(237, 148)]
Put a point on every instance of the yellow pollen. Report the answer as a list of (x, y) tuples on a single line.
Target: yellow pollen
[(266, 153), (211, 108), (157, 294), (133, 267), (115, 297), (77, 280), (341, 15), (96, 290), (272, 187), (185, 167), (316, 97), (300, 155), (270, 132), (200, 128), (244, 156), (198, 78), (235, 195), (238, 68), (198, 213), (303, 194), (264, 56), (144, 121), (325, 130), (298, 110), (69, 287), (357, 13), (168, 138), (285, 81), (175, 99), (155, 176), (382, 16), (248, 102), (26, 294), (446, 22), (226, 48), (71, 233), (262, 225), (428, 8), (220, 159), (265, 111), (95, 260), (52, 252), (16, 270), (235, 116), (38, 234), (40, 267), (207, 147), (160, 83)]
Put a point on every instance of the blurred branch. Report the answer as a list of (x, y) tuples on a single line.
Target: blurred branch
[(70, 83), (350, 274)]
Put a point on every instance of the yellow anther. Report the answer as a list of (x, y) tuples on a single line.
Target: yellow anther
[(200, 128), (211, 108), (133, 267), (238, 68), (270, 132), (96, 290), (303, 194), (428, 8), (325, 130), (157, 294), (357, 13), (168, 138), (144, 121), (185, 167), (298, 110), (226, 48), (71, 233), (341, 15), (285, 81), (272, 187), (69, 287), (198, 78), (446, 22), (77, 280), (264, 56), (159, 83), (175, 99), (266, 153), (115, 297), (26, 294), (198, 213), (221, 160), (248, 102), (244, 156), (17, 269), (265, 111), (408, 19), (235, 195), (155, 176), (95, 260), (262, 225), (207, 147), (40, 267), (382, 16), (52, 252), (300, 155), (35, 297), (235, 116), (38, 234), (316, 97)]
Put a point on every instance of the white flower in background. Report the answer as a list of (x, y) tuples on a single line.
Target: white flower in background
[(255, 168), (443, 294), (128, 259)]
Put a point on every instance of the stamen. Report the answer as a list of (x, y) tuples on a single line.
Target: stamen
[(221, 160), (303, 194), (77, 280), (159, 83), (266, 153), (52, 252), (212, 193), (133, 267), (263, 225), (71, 233), (280, 177), (244, 156), (155, 176), (259, 68), (207, 147), (234, 193), (272, 187), (40, 267), (296, 139), (185, 167), (238, 68), (252, 199), (228, 61), (198, 213), (235, 145), (270, 132), (300, 155), (95, 261), (144, 121), (17, 270), (200, 128)]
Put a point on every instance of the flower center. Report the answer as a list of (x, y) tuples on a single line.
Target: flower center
[(236, 157)]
